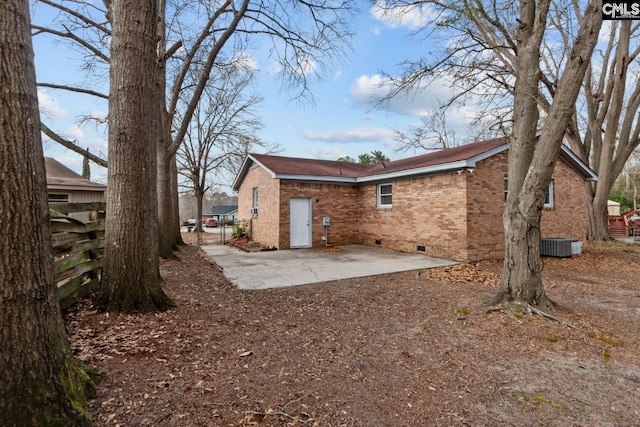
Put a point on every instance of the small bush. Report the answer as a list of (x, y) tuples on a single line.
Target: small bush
[(239, 231)]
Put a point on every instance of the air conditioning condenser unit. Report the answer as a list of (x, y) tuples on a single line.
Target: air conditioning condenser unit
[(556, 247)]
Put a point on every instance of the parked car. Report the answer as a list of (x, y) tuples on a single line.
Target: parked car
[(211, 223)]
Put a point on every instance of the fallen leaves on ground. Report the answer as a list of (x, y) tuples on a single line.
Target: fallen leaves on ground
[(401, 349)]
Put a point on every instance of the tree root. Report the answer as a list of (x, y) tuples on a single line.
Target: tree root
[(511, 307), (249, 415), (280, 414)]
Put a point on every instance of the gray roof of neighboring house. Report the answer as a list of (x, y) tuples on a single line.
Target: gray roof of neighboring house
[(60, 177), (223, 209), (464, 156)]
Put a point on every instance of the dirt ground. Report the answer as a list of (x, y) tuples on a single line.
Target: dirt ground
[(407, 349)]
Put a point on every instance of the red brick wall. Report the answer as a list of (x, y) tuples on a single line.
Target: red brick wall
[(337, 201), (453, 216), (567, 218), (485, 205), (264, 226), (428, 211)]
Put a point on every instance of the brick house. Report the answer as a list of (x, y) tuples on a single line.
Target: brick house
[(446, 204)]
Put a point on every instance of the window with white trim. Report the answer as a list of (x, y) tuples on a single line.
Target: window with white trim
[(548, 199), (385, 195), (254, 202)]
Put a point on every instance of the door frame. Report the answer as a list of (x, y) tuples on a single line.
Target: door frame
[(309, 241)]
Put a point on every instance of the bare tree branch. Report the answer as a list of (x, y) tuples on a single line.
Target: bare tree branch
[(74, 89), (72, 146)]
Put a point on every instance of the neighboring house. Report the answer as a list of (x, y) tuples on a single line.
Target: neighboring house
[(226, 213), (66, 186), (447, 204)]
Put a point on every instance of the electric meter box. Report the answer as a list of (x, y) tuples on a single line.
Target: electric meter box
[(326, 221)]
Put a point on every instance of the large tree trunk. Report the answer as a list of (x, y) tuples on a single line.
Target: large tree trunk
[(165, 201), (618, 142), (177, 236), (41, 382), (166, 242), (521, 280), (131, 275), (597, 214), (531, 165)]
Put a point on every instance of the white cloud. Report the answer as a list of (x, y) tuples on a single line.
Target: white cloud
[(326, 153), (49, 106), (246, 61), (367, 90), (306, 66), (413, 16), (73, 133), (359, 134)]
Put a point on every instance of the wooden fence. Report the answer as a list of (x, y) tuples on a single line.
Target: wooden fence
[(78, 242)]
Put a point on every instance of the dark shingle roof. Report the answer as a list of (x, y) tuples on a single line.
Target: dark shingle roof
[(58, 175), (456, 158), (298, 166), (223, 209), (332, 168)]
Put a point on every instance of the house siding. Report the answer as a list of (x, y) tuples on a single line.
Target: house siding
[(264, 227)]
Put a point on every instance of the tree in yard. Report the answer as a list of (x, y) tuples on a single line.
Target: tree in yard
[(531, 160), (611, 98), (494, 48), (221, 132), (304, 37), (431, 134), (130, 273), (309, 33), (42, 384), (604, 128)]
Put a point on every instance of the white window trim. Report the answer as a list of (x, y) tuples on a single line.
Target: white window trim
[(379, 195), (254, 198), (550, 194)]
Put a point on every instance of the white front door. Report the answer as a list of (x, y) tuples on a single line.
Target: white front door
[(300, 222)]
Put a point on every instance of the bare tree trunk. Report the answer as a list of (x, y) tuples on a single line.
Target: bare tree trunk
[(521, 280), (131, 274), (166, 233), (165, 198), (531, 162), (42, 384), (175, 204), (199, 229), (597, 214)]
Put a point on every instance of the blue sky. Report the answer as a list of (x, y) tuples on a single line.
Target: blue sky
[(341, 121)]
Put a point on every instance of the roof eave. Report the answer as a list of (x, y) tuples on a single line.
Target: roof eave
[(317, 178), (427, 170), (72, 187), (244, 169), (577, 164)]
